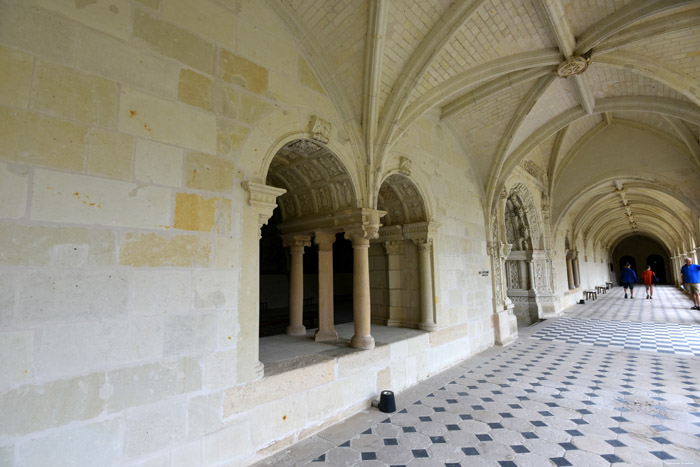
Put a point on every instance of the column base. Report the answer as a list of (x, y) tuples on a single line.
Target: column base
[(393, 322), (362, 342), (326, 336), (428, 326), (296, 330), (505, 326)]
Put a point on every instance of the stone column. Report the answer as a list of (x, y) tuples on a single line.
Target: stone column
[(296, 244), (427, 321), (576, 272), (262, 200), (570, 270), (326, 329), (360, 293), (394, 250)]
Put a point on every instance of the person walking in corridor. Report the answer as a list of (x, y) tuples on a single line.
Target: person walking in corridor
[(691, 278), (648, 277), (627, 279)]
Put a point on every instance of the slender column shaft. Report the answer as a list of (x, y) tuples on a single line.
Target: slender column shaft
[(296, 287), (426, 286), (570, 272), (326, 330), (360, 295)]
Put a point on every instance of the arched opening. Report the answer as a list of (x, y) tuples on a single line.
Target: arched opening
[(640, 251), (401, 258), (632, 262), (658, 265)]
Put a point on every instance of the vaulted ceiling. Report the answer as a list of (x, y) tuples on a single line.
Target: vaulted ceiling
[(602, 98)]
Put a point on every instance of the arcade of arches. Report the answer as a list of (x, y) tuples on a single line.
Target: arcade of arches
[(246, 218)]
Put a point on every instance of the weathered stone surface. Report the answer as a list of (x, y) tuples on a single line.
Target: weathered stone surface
[(356, 362), (190, 333), (52, 36), (33, 408), (111, 154), (266, 49), (111, 17), (307, 76), (166, 121), (17, 349), (206, 18), (34, 245), (157, 292), (174, 42), (276, 419), (158, 163), (444, 336), (7, 297), (231, 135), (121, 62), (194, 89), (152, 250), (80, 347), (210, 173), (14, 184), (155, 428), (93, 444), (75, 295), (153, 4), (254, 109), (30, 138), (15, 77), (228, 444), (7, 455), (226, 252), (220, 370), (187, 456), (150, 383), (60, 197), (68, 93), (215, 289), (204, 415), (242, 72), (194, 212)]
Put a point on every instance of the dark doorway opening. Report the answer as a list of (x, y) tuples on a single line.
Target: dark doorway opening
[(658, 266)]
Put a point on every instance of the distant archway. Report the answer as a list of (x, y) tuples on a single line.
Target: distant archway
[(658, 265), (633, 263)]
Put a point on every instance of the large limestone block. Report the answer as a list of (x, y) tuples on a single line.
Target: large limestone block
[(111, 154), (444, 336), (356, 362), (8, 285), (220, 370), (80, 347), (231, 135), (155, 428), (51, 36), (194, 212), (174, 42), (231, 443), (215, 289), (121, 62), (292, 92), (323, 401), (278, 419), (152, 250), (15, 77), (158, 163), (203, 17), (68, 93), (72, 295), (7, 455), (33, 408), (14, 182), (254, 109), (190, 333), (165, 121), (308, 78), (35, 245), (226, 252), (158, 292), (204, 415), (17, 349), (189, 455), (210, 173), (227, 336), (60, 197), (150, 383), (242, 72), (92, 444), (282, 379), (264, 48), (194, 89), (30, 138), (360, 387), (109, 16)]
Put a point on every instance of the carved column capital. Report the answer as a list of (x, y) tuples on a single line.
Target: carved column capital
[(423, 243), (324, 240), (263, 198), (393, 248), (296, 241)]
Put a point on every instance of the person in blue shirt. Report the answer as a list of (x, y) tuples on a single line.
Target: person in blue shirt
[(627, 279), (691, 278)]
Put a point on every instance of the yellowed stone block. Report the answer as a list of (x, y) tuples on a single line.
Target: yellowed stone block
[(294, 93), (260, 46), (14, 184), (174, 42), (169, 122), (204, 17), (307, 76), (193, 212), (110, 16), (227, 100), (253, 109), (37, 31), (231, 135), (194, 89), (237, 70), (30, 138), (158, 163), (124, 63), (15, 77), (69, 93), (450, 334), (210, 173), (61, 197), (111, 154), (153, 250)]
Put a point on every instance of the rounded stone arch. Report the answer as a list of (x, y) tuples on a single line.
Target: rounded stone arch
[(415, 202), (519, 197)]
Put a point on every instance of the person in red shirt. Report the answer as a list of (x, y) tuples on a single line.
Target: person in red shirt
[(648, 277)]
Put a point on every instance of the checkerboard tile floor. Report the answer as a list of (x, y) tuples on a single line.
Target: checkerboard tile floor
[(571, 391)]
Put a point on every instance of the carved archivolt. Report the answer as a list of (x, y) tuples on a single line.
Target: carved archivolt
[(315, 180), (522, 222), (399, 197)]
